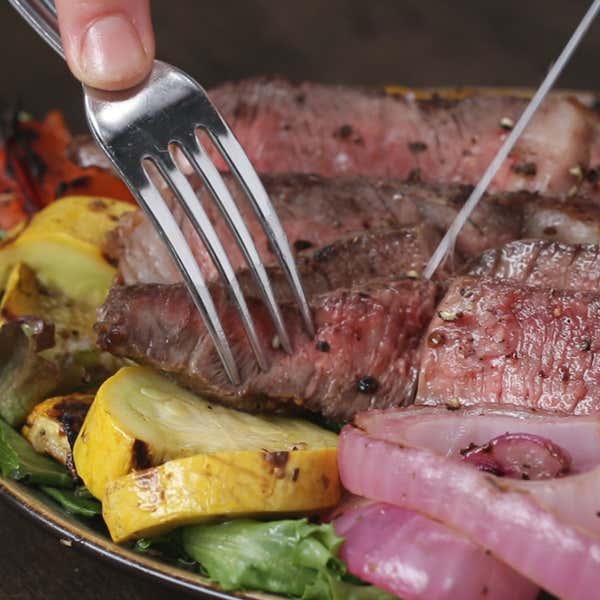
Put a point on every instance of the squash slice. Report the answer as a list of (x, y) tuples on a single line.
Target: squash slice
[(147, 438), (52, 426), (63, 246), (81, 364), (207, 487)]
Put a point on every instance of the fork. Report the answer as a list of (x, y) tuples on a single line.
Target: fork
[(150, 124)]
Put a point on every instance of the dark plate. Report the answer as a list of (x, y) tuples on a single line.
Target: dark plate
[(79, 534)]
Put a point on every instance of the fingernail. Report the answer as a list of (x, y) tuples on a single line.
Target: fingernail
[(112, 52)]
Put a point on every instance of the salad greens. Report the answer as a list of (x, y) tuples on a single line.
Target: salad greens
[(289, 557), (18, 460), (26, 378), (73, 502)]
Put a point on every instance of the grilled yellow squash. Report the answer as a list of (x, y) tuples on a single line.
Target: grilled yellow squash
[(205, 487), (52, 426), (159, 456), (63, 246)]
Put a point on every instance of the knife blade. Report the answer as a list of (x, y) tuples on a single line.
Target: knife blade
[(447, 242)]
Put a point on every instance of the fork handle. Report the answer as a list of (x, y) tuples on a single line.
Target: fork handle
[(41, 15)]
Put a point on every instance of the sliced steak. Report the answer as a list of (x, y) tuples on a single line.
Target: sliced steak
[(364, 355), (543, 263), (574, 221), (496, 341), (314, 212), (355, 259), (335, 130)]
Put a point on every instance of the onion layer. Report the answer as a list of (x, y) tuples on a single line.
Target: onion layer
[(519, 456), (527, 525), (416, 558)]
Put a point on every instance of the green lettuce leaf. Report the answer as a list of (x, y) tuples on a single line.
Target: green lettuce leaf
[(18, 460), (289, 557), (73, 502), (25, 377)]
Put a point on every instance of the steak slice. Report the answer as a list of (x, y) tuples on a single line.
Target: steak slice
[(355, 259), (314, 212), (496, 341), (543, 263), (364, 355), (575, 221), (336, 130)]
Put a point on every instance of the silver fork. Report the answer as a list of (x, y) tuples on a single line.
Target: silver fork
[(148, 124)]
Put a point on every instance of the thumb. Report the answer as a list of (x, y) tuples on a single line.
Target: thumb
[(109, 44)]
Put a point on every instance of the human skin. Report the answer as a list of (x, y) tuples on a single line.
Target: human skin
[(109, 44)]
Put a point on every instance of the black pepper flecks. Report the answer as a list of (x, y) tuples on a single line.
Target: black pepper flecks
[(592, 175), (323, 346), (417, 147), (367, 385), (586, 345), (344, 132), (529, 169), (300, 245)]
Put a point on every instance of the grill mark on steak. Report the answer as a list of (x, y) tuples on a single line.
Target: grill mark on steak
[(514, 344), (542, 263), (371, 330), (317, 211)]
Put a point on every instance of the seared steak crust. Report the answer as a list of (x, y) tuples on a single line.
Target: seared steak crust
[(495, 341), (542, 263), (355, 259), (364, 355)]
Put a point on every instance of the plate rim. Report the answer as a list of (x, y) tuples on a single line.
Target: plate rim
[(95, 544)]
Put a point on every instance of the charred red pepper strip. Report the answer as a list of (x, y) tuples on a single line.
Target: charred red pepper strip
[(36, 169)]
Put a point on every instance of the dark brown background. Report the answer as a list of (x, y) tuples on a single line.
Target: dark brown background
[(411, 42)]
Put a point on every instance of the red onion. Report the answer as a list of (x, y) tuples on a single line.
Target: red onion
[(447, 432), (416, 558), (575, 499), (547, 530), (519, 456)]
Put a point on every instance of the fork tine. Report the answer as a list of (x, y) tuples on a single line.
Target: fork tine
[(193, 208), (150, 199), (204, 167), (241, 166)]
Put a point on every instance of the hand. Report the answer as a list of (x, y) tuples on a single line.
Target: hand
[(109, 44)]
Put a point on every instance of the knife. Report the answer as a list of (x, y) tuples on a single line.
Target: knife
[(447, 243)]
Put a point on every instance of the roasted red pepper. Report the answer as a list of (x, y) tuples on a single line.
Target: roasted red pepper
[(36, 169)]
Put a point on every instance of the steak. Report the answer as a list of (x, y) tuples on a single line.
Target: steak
[(314, 212), (543, 263), (385, 254), (574, 222), (336, 130), (496, 341), (364, 355)]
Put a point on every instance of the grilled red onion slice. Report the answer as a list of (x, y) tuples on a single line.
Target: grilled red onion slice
[(519, 456), (547, 530), (416, 558)]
